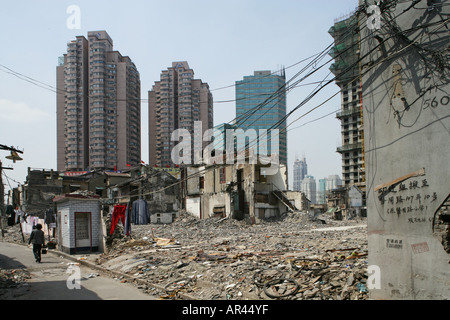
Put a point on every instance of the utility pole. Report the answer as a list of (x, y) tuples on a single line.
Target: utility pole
[(2, 199), (15, 157)]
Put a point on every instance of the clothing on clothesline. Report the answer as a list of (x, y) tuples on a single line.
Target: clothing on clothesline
[(118, 214), (20, 214), (128, 219), (34, 221), (140, 213), (50, 216)]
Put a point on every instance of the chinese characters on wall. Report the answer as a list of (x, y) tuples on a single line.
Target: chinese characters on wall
[(410, 199)]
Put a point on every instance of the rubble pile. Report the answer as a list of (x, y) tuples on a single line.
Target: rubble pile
[(292, 257), (12, 234), (12, 279)]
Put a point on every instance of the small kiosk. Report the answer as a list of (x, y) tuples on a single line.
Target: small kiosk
[(79, 223)]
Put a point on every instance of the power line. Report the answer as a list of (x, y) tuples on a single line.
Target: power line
[(265, 76), (346, 70), (357, 77), (319, 57), (317, 92), (62, 91), (207, 168)]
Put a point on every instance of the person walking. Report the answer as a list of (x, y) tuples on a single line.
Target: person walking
[(38, 240)]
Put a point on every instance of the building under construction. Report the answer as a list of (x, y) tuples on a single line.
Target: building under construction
[(346, 69)]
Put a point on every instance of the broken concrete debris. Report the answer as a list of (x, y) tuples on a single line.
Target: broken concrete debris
[(288, 258), (12, 279)]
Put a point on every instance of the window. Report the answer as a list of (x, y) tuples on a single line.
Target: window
[(222, 175), (201, 182)]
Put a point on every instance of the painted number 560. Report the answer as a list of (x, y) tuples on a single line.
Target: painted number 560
[(435, 102)]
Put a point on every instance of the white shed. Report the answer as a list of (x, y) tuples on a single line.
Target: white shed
[(78, 223)]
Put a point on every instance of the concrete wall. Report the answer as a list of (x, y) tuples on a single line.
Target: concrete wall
[(192, 184), (298, 199), (406, 125), (216, 200), (193, 206), (164, 217), (213, 194), (266, 210)]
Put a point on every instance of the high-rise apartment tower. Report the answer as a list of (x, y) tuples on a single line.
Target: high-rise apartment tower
[(98, 107), (176, 101)]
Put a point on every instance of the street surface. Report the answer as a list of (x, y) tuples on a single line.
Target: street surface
[(49, 279)]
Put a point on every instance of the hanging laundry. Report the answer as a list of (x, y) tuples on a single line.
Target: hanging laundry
[(34, 221), (128, 219), (19, 213), (118, 214), (50, 216), (20, 216), (139, 212)]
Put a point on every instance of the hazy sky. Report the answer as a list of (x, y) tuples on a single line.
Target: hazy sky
[(223, 41)]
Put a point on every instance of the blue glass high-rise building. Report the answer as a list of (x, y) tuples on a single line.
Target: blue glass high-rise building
[(261, 104)]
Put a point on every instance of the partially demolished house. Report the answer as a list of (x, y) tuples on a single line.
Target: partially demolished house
[(43, 185), (238, 191), (100, 182), (39, 190), (151, 194), (337, 202), (346, 202), (158, 188)]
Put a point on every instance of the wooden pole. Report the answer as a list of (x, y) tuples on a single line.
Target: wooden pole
[(21, 230), (2, 198)]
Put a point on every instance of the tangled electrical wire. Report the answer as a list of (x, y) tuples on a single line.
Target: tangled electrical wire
[(435, 60)]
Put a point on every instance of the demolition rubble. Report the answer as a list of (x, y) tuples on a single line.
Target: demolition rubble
[(10, 280), (174, 255), (292, 257)]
